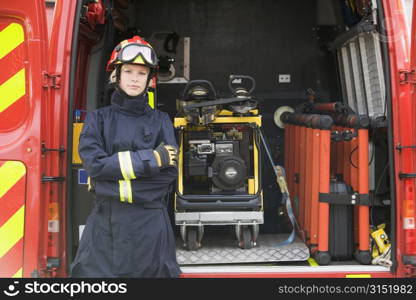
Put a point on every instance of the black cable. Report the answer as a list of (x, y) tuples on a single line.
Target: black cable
[(371, 216), (375, 193), (355, 149), (372, 155), (380, 179)]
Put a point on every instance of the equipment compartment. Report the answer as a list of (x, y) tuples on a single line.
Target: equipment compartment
[(297, 53)]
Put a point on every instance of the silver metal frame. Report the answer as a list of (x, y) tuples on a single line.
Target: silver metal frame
[(219, 218), (362, 74)]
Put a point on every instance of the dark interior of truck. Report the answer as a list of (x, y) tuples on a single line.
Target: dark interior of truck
[(300, 54)]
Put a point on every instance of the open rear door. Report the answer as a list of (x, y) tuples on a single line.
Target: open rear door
[(23, 44), (413, 52), (409, 211)]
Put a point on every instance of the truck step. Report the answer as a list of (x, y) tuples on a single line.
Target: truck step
[(217, 250)]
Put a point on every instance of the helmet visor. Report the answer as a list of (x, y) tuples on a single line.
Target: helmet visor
[(130, 52)]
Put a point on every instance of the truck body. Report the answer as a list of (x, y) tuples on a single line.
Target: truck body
[(52, 65)]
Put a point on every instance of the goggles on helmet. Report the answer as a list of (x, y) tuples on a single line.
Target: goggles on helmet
[(129, 53)]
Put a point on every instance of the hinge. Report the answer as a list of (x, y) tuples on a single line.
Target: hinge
[(51, 80), (407, 77), (407, 175), (52, 263), (399, 147), (52, 178)]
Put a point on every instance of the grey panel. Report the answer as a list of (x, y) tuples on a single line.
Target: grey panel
[(342, 75), (225, 251), (362, 75), (376, 86), (357, 77), (349, 83)]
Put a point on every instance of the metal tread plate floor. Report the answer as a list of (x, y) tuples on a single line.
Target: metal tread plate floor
[(218, 250)]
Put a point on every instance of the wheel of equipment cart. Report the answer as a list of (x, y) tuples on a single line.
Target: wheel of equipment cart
[(245, 240), (322, 258), (192, 239), (363, 257)]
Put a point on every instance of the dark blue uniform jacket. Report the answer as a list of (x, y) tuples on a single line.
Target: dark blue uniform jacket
[(128, 233)]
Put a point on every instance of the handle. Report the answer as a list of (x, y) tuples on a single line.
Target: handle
[(232, 77), (199, 81)]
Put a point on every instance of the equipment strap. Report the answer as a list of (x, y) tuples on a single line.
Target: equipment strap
[(281, 181), (216, 102)]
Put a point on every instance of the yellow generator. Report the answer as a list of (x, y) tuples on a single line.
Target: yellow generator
[(219, 165)]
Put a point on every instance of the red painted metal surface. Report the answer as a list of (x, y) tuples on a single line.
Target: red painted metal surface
[(289, 161), (323, 236), (403, 117), (315, 186), (55, 125), (296, 163), (287, 153), (13, 117), (44, 121), (363, 210), (410, 205), (302, 178), (354, 165), (308, 181), (23, 142), (86, 41), (12, 212)]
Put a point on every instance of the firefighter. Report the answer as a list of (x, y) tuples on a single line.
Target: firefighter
[(129, 152)]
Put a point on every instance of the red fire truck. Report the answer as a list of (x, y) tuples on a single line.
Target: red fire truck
[(52, 71)]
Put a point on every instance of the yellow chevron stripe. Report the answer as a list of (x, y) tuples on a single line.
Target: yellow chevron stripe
[(10, 173), (11, 37), (12, 231), (12, 89), (19, 274)]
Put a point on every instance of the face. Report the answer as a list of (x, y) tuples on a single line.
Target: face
[(133, 78)]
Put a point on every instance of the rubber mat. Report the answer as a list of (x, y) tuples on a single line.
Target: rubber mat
[(216, 250)]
